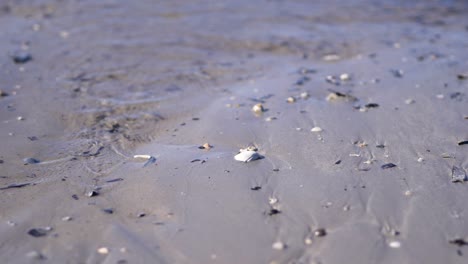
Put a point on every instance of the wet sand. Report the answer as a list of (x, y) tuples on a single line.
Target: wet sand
[(89, 84)]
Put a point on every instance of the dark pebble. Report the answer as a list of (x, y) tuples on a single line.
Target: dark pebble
[(3, 94), (388, 166), (33, 138), (462, 76), (38, 232), (276, 170), (337, 162), (1, 161), (115, 180), (464, 142), (256, 188), (274, 212), (320, 232), (459, 242), (30, 161), (141, 215), (21, 57), (397, 73), (380, 146), (75, 197), (108, 210), (372, 105), (195, 119)]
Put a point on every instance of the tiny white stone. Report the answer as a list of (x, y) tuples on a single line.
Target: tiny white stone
[(103, 250), (420, 159), (394, 244), (291, 99), (409, 101), (278, 245), (272, 200), (316, 129), (308, 241), (304, 95), (64, 34), (331, 57), (440, 96), (298, 129), (345, 77), (36, 27), (20, 118), (66, 218)]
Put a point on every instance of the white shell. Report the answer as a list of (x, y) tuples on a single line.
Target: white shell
[(247, 156), (142, 156), (316, 129), (278, 245)]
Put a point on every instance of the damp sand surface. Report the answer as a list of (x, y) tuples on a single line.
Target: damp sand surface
[(120, 121)]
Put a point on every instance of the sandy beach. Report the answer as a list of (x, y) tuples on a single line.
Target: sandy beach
[(270, 131)]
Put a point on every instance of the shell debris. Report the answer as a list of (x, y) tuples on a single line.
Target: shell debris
[(316, 129), (248, 154), (258, 108)]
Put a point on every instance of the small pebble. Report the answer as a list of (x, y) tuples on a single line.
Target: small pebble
[(278, 245), (141, 215), (103, 250), (388, 166), (345, 77), (440, 96), (3, 93), (66, 218), (108, 210), (39, 232), (409, 101), (205, 146), (291, 99), (304, 95), (35, 255), (320, 232), (30, 161), (316, 129), (308, 241), (20, 118), (394, 244), (21, 57), (92, 193), (258, 108)]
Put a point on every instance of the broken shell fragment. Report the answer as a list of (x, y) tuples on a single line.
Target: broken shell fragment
[(316, 129), (206, 146), (247, 156), (304, 95), (103, 250), (345, 77), (458, 175), (278, 245), (258, 108)]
